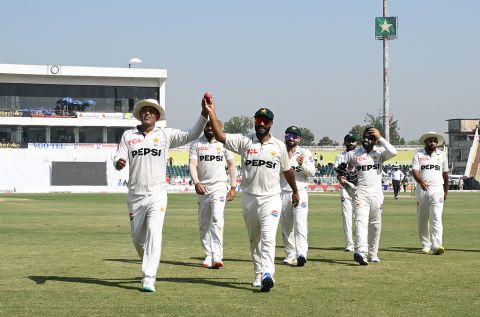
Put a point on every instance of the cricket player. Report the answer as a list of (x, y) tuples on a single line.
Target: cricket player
[(294, 218), (207, 168), (263, 158), (368, 201), (145, 149), (430, 170), (350, 143)]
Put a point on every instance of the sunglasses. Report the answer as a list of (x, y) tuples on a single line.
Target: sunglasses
[(264, 120), (291, 136)]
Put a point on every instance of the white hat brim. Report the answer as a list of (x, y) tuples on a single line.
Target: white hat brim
[(432, 134), (148, 102)]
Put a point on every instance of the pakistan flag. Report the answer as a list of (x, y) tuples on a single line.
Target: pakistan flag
[(385, 27)]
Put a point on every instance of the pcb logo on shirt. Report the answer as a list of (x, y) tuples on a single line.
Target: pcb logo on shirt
[(275, 213)]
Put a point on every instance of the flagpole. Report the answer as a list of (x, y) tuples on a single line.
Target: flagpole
[(386, 91)]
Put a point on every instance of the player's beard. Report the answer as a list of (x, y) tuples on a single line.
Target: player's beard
[(261, 131), (208, 134), (431, 147), (351, 147), (368, 144)]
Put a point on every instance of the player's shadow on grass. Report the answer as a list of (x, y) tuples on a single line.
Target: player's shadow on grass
[(418, 250), (197, 263), (119, 283)]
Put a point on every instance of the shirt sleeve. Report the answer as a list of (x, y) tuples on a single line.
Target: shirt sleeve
[(308, 166), (338, 160), (416, 162), (178, 137), (228, 155), (390, 150), (122, 150), (193, 151), (236, 142), (284, 160), (445, 163)]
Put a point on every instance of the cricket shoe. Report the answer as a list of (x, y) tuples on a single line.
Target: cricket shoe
[(148, 285), (267, 282), (426, 250), (217, 263), (349, 248), (301, 260), (290, 260), (258, 280), (207, 262), (360, 258), (374, 258), (438, 250)]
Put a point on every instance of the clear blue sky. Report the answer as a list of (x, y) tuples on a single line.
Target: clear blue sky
[(315, 64)]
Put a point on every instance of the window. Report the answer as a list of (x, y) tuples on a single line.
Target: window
[(90, 135), (62, 135), (33, 134), (114, 135), (7, 134)]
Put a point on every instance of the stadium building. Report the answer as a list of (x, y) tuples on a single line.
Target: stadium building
[(60, 125)]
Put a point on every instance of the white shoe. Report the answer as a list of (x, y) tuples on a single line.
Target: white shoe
[(207, 262), (258, 281), (374, 258), (148, 284), (349, 248), (426, 250), (290, 260)]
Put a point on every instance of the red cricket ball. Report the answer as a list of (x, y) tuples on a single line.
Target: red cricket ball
[(207, 96)]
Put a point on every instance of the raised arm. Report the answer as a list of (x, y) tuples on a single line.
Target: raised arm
[(209, 105), (232, 173)]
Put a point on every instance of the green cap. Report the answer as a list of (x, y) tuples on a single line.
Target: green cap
[(264, 112), (295, 130), (349, 137)]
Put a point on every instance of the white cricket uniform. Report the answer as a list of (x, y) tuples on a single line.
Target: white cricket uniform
[(211, 157), (368, 200), (347, 207), (431, 169), (147, 155), (262, 165), (294, 219)]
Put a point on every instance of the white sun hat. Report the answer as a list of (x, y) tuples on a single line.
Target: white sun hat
[(431, 134), (148, 102)]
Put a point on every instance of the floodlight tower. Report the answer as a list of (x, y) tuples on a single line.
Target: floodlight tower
[(385, 30)]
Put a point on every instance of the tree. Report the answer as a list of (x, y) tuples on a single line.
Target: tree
[(377, 122), (239, 124), (326, 141), (307, 137)]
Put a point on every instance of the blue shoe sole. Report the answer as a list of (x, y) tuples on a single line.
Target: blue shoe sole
[(358, 258), (267, 284), (301, 261)]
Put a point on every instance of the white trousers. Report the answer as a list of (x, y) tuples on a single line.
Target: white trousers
[(147, 213), (262, 214), (211, 221), (294, 224), (347, 214), (430, 202), (368, 222)]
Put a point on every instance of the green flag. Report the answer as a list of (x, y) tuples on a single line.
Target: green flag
[(385, 27)]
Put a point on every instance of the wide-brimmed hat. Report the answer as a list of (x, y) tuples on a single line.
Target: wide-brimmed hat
[(148, 102), (431, 134)]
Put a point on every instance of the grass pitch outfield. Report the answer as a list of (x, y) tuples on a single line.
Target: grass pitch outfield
[(71, 255)]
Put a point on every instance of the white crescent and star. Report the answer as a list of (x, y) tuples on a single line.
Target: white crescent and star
[(385, 26)]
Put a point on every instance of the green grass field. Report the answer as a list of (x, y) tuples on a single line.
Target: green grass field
[(71, 255)]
